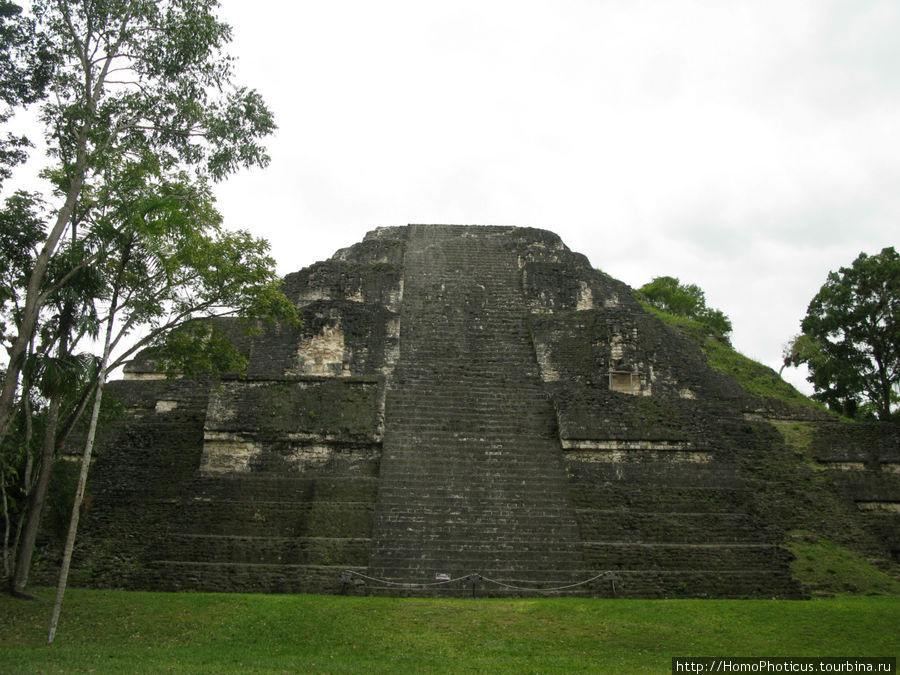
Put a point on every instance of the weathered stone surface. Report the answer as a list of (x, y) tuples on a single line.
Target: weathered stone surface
[(469, 400)]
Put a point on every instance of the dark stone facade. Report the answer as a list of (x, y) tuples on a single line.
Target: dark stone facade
[(469, 400)]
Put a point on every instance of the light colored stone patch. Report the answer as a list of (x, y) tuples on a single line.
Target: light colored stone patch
[(218, 410), (144, 376), (890, 467), (611, 301), (639, 456), (623, 383), (166, 406), (393, 328), (616, 347), (548, 372), (300, 437), (629, 382), (687, 393), (309, 457), (615, 444), (227, 453), (312, 295), (879, 507), (395, 298), (322, 354), (845, 466), (544, 303), (585, 297)]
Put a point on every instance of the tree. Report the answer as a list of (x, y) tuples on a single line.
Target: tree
[(141, 82), (25, 68), (851, 336), (143, 116), (670, 295)]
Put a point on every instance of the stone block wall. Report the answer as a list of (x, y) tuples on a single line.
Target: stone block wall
[(469, 400)]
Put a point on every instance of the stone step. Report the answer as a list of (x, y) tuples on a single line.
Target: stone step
[(265, 550), (668, 527), (473, 466), (660, 498), (671, 556), (170, 575), (277, 519), (251, 488), (459, 494), (644, 472)]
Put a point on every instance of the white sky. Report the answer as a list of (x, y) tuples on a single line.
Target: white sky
[(749, 147)]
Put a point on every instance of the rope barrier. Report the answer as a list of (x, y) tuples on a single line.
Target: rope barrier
[(606, 576), (407, 584), (549, 590)]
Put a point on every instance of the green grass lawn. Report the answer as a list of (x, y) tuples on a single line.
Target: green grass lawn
[(115, 631)]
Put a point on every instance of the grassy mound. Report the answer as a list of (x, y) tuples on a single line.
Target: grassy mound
[(755, 378), (825, 567)]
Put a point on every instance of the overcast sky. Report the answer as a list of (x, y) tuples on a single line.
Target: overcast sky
[(747, 147)]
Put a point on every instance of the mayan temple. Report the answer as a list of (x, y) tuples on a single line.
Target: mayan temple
[(472, 410)]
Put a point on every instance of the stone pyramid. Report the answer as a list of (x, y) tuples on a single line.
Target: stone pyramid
[(465, 409)]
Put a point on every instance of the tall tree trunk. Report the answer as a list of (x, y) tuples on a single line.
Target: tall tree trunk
[(79, 498), (38, 497), (88, 448), (7, 526), (26, 480), (26, 536)]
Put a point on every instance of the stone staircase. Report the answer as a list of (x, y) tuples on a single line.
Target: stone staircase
[(678, 530), (472, 478), (267, 532)]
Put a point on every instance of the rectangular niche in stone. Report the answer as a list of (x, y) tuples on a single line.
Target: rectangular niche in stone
[(625, 382)]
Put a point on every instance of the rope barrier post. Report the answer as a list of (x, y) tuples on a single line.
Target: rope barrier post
[(612, 578), (474, 579), (346, 580)]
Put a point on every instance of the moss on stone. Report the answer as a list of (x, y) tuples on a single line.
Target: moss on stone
[(827, 568), (755, 378)]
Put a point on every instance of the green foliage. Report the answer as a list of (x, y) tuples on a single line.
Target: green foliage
[(115, 631), (148, 78), (25, 69), (798, 436), (851, 337), (669, 295), (21, 232), (142, 115), (26, 64), (826, 568), (755, 378), (199, 347), (63, 482)]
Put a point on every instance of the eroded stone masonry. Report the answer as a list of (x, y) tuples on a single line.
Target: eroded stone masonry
[(466, 401)]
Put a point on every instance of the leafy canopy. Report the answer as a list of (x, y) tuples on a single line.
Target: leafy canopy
[(140, 115), (850, 337), (25, 68), (668, 294)]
